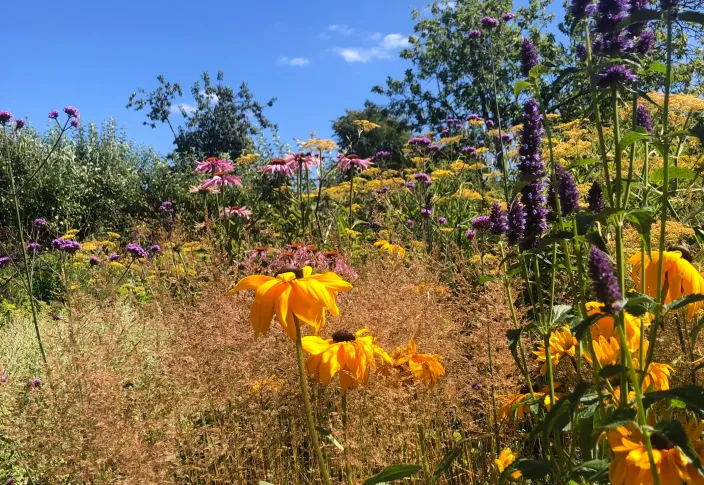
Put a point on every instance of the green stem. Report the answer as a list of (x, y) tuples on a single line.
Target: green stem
[(346, 450), (597, 116), (324, 474), (633, 151), (424, 455), (665, 192)]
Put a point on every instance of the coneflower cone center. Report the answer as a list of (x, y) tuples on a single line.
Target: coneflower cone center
[(343, 336), (686, 254), (290, 269), (660, 442)]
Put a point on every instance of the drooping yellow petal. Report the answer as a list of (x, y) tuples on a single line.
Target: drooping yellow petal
[(315, 345), (251, 282)]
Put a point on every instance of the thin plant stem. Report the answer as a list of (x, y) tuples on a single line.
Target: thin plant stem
[(23, 246), (324, 473), (346, 450), (424, 455), (665, 192), (632, 159)]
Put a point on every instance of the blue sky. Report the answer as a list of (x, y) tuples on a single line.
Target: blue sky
[(316, 57)]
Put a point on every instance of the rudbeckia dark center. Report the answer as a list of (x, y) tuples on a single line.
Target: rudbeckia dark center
[(343, 336), (290, 269), (660, 442), (682, 249)]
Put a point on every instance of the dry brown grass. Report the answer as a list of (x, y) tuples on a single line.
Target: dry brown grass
[(170, 392)]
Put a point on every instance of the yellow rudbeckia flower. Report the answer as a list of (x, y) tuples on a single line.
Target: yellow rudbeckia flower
[(605, 325), (349, 354), (505, 459), (425, 368), (631, 464), (680, 278), (562, 343), (296, 292)]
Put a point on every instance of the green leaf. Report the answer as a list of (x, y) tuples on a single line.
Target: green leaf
[(618, 417), (673, 432), (487, 278), (449, 459), (631, 137), (584, 222), (696, 330), (537, 71), (560, 314), (392, 472), (584, 162), (642, 220), (692, 396), (684, 301), (560, 414), (520, 86), (327, 435), (642, 15), (582, 326), (657, 176), (689, 16), (612, 370), (597, 240), (514, 336), (590, 471), (638, 304), (533, 469), (657, 66)]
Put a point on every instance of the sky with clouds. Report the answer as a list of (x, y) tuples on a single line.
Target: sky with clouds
[(316, 57)]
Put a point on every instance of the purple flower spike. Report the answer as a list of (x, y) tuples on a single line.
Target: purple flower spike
[(489, 123), (410, 185), (578, 8), (615, 75), (498, 223), (66, 245), (481, 223), (581, 51), (420, 141), (488, 22), (567, 192), (516, 222), (643, 118), (531, 165), (604, 281), (646, 42), (382, 154), (529, 56), (471, 151), (595, 198), (33, 246)]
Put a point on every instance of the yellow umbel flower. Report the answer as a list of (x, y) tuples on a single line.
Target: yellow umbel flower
[(318, 145), (439, 174), (70, 234), (562, 343), (425, 368), (350, 354), (298, 292), (468, 194), (458, 166), (680, 278), (113, 235), (631, 464), (450, 140), (365, 125), (419, 161), (248, 159), (385, 246), (505, 459)]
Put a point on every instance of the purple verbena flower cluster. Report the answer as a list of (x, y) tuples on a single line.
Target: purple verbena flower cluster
[(488, 22), (136, 250), (66, 245)]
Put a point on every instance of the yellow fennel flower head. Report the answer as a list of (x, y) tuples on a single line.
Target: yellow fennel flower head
[(352, 355), (481, 150), (70, 234), (296, 292), (419, 160), (318, 145), (446, 229), (428, 134), (630, 464), (512, 154), (458, 166), (493, 133), (247, 159), (467, 194), (373, 185), (552, 116), (450, 140), (439, 174), (424, 368), (680, 278), (476, 122), (113, 235), (352, 233), (89, 246), (365, 125), (371, 172), (562, 344), (476, 166), (505, 459)]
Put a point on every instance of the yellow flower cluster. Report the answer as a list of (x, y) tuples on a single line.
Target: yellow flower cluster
[(318, 145), (365, 125), (385, 246), (450, 140), (248, 159), (439, 174), (467, 194)]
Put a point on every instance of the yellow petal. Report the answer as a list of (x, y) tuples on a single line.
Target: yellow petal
[(251, 282)]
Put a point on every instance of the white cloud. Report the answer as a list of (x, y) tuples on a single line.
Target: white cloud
[(343, 29), (293, 61), (375, 36), (213, 98), (385, 49), (187, 108)]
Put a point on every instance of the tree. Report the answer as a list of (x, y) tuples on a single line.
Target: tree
[(222, 120), (451, 74), (391, 137)]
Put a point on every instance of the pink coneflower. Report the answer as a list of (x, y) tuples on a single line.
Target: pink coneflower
[(236, 210), (213, 165), (277, 165), (352, 160), (303, 160), (199, 189), (221, 180)]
